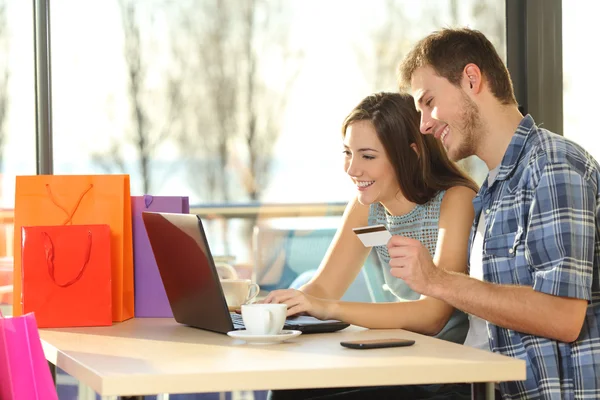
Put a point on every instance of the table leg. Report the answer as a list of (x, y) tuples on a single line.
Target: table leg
[(240, 395), (483, 390), (52, 372)]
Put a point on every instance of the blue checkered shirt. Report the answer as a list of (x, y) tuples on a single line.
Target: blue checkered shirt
[(542, 230)]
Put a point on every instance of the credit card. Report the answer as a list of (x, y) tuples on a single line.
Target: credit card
[(374, 235)]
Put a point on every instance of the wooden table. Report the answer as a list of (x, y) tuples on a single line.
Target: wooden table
[(153, 356)]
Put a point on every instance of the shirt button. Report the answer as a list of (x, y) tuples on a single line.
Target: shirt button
[(510, 251), (487, 211)]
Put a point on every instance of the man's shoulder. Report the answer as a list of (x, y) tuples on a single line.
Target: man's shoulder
[(550, 148)]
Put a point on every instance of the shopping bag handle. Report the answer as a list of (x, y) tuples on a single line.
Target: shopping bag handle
[(69, 214), (49, 247), (148, 199)]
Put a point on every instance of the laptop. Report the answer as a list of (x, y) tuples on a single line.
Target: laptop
[(190, 278)]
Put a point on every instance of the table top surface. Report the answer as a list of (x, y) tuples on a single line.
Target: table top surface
[(157, 355)]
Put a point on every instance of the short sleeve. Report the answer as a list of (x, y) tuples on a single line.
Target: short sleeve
[(561, 231)]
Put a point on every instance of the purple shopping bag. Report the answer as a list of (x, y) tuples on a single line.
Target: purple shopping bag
[(150, 297), (24, 372)]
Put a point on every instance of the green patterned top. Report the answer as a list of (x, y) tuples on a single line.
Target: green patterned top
[(420, 223)]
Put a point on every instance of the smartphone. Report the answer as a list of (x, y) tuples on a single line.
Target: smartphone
[(377, 343)]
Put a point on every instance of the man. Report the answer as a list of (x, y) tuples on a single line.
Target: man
[(534, 289)]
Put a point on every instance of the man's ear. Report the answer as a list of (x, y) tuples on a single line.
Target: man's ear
[(472, 77)]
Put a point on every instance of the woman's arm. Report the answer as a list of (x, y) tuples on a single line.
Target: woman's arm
[(344, 258), (426, 315)]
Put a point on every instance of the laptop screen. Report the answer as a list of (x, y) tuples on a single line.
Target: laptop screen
[(190, 277), (187, 270)]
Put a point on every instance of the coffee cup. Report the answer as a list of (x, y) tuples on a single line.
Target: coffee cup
[(264, 319), (226, 271), (238, 292)]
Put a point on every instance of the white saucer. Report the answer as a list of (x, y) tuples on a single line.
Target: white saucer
[(264, 339)]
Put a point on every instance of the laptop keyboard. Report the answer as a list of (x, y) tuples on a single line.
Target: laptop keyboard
[(238, 322), (303, 323)]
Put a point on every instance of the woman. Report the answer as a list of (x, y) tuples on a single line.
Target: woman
[(405, 181)]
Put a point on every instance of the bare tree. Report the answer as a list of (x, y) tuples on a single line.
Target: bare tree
[(392, 39), (208, 53), (386, 47), (263, 21), (214, 59), (236, 108), (150, 128), (237, 113), (4, 76), (485, 15), (491, 15)]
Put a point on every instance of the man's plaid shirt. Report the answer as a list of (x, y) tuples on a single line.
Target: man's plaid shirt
[(542, 230)]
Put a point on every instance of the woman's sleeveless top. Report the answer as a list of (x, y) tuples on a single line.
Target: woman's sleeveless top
[(420, 223)]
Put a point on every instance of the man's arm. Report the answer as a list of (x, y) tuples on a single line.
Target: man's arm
[(559, 247), (519, 308)]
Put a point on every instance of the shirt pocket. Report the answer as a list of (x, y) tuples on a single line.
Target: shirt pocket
[(504, 245)]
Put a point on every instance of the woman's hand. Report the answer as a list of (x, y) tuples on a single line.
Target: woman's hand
[(299, 302)]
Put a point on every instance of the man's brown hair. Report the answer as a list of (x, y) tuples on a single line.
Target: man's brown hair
[(449, 50)]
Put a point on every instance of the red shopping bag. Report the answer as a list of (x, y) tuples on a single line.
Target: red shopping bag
[(24, 372), (66, 275)]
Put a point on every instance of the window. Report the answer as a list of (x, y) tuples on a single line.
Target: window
[(580, 86), (17, 122), (228, 101)]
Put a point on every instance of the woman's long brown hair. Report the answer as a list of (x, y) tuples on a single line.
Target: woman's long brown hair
[(421, 174)]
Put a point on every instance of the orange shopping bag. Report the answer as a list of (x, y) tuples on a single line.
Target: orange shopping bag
[(66, 275), (44, 200)]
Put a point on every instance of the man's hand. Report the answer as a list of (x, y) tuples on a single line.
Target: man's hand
[(299, 302), (411, 262)]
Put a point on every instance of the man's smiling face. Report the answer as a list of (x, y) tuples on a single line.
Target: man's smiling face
[(447, 112)]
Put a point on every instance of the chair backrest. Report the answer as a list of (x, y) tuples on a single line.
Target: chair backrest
[(373, 275), (282, 254)]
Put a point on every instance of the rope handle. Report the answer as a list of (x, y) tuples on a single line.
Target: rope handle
[(49, 248), (72, 213)]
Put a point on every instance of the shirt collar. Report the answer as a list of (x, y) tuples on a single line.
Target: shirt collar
[(515, 147)]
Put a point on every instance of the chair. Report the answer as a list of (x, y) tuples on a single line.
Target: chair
[(378, 289), (289, 255), (6, 291), (6, 280)]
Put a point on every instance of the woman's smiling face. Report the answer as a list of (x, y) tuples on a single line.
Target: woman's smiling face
[(367, 164)]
